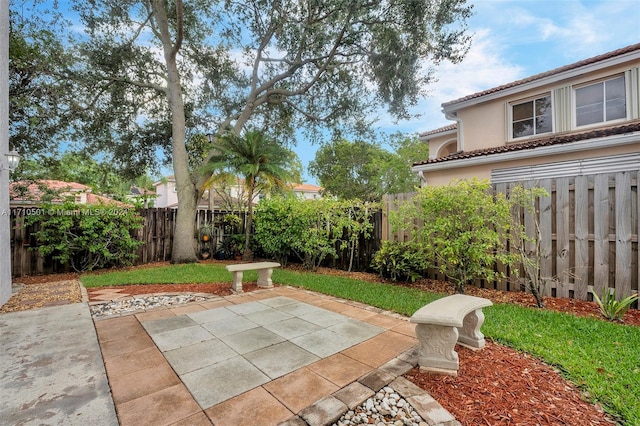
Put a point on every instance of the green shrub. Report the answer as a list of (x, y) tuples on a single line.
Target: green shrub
[(464, 232), (277, 226), (400, 261), (311, 229), (87, 236)]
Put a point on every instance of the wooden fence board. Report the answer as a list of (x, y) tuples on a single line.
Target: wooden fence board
[(581, 244), (502, 282), (562, 237), (546, 243), (623, 234), (601, 233)]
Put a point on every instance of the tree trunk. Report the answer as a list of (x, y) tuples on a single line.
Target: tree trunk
[(183, 250), (248, 254)]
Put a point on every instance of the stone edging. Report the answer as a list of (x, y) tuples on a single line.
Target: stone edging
[(329, 409)]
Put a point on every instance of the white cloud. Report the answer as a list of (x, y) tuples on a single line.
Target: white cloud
[(483, 67)]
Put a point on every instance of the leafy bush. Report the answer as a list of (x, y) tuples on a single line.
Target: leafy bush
[(310, 229), (400, 261), (610, 307), (276, 227), (464, 231), (87, 236)]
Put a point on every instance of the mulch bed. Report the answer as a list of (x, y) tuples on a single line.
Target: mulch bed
[(42, 295), (500, 386), (495, 386)]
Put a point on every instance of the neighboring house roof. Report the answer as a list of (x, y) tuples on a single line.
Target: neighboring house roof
[(33, 189), (306, 187), (551, 73), (137, 191), (445, 129), (33, 192), (630, 127)]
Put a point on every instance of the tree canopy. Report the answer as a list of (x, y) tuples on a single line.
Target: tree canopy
[(148, 74), (260, 160), (367, 171), (38, 116)]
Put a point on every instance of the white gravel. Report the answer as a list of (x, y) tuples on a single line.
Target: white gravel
[(141, 303), (385, 408)]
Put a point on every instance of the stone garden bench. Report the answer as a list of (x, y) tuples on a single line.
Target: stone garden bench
[(443, 323), (265, 269)]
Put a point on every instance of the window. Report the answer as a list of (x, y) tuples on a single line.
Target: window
[(531, 117), (601, 102)]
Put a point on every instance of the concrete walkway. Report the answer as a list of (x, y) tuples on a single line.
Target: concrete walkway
[(51, 369), (281, 356)]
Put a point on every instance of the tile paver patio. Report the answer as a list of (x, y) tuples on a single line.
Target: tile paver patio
[(265, 357)]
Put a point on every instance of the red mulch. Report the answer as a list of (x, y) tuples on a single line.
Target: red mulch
[(495, 386), (500, 386)]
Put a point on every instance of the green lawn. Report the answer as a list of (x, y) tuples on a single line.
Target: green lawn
[(602, 358)]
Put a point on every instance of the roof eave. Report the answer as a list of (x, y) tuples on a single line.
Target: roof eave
[(450, 108), (542, 151), (435, 135)]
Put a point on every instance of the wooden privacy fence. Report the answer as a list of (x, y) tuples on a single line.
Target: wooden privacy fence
[(156, 234), (159, 225), (589, 234)]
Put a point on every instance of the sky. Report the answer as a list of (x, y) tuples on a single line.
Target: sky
[(514, 39), (511, 40)]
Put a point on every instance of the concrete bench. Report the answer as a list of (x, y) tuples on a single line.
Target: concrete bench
[(265, 269), (443, 323)]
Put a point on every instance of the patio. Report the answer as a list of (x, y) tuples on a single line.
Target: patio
[(268, 357), (280, 356)]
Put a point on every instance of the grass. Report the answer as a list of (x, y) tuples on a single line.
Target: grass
[(169, 274), (601, 357)]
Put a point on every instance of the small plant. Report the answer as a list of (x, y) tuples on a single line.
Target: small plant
[(232, 221), (611, 308), (207, 232)]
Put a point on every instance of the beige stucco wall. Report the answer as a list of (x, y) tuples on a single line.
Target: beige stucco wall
[(485, 124), (438, 141)]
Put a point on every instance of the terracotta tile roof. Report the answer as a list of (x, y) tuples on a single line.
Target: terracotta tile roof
[(569, 67), (32, 192), (307, 187), (630, 127), (94, 199), (444, 129)]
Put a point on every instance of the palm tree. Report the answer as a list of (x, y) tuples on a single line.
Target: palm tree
[(260, 160)]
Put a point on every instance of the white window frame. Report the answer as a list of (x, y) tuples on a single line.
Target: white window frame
[(574, 105), (510, 106)]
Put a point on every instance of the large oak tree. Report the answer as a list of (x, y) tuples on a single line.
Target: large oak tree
[(156, 72)]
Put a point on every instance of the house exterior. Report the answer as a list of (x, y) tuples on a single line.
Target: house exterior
[(580, 119), (224, 196), (32, 193), (307, 191)]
